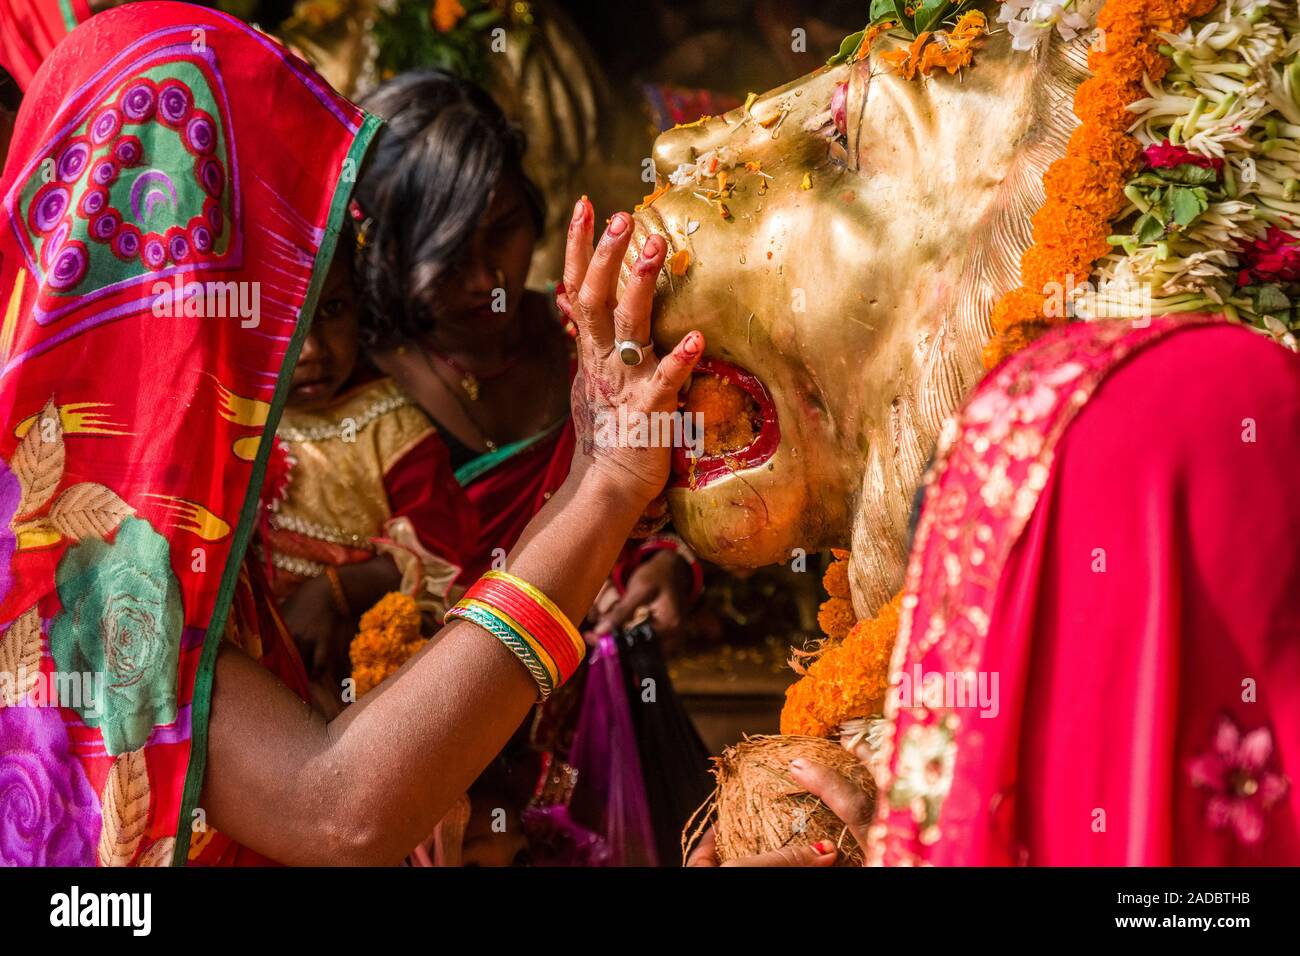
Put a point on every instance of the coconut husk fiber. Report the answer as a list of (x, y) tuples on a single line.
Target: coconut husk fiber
[(757, 806)]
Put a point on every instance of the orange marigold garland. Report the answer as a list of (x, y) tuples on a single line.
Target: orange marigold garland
[(835, 616), (848, 680), (389, 637), (1085, 188)]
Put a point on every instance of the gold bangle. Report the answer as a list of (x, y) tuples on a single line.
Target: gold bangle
[(337, 594)]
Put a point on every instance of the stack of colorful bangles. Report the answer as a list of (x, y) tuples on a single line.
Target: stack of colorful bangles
[(525, 620)]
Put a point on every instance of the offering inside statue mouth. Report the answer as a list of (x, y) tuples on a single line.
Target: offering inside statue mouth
[(739, 419)]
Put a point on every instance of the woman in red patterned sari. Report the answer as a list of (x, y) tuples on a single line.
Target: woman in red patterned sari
[(1097, 659), (171, 202), (1108, 546)]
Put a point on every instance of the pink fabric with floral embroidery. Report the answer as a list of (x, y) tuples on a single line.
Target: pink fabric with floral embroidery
[(1111, 531)]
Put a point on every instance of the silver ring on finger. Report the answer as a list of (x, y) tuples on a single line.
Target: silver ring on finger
[(631, 353)]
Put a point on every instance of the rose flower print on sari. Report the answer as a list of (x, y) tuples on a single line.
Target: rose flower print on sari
[(162, 233)]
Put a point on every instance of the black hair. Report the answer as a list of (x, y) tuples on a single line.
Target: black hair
[(10, 95), (444, 147)]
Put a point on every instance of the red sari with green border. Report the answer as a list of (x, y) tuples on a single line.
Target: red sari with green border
[(161, 147)]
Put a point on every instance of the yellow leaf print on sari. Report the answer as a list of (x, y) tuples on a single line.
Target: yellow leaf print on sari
[(193, 517)]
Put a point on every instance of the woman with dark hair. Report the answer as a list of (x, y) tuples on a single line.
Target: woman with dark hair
[(129, 499), (447, 222)]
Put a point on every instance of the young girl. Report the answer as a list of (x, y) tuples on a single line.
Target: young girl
[(360, 498)]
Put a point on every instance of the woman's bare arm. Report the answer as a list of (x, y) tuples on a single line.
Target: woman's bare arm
[(369, 785)]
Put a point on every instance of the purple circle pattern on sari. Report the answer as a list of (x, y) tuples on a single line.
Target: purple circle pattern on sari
[(104, 172), (139, 101), (50, 251), (200, 134), (104, 226), (174, 103), (106, 126), (49, 815), (49, 206), (128, 151), (211, 175), (201, 237), (216, 218), (73, 159), (93, 202), (126, 243), (153, 253), (170, 103), (178, 245), (70, 266)]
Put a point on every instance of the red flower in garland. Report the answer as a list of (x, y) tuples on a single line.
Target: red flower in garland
[(1275, 258), (1168, 156)]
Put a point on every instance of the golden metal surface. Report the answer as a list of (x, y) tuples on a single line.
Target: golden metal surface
[(856, 285)]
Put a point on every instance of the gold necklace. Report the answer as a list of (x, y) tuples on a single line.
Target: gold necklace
[(488, 443)]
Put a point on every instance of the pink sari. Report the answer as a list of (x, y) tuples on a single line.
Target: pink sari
[(1110, 551)]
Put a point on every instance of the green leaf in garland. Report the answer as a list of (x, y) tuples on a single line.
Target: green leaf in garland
[(1189, 174), (1187, 203), (882, 10), (1149, 229), (904, 16), (847, 48), (1269, 299), (930, 13)]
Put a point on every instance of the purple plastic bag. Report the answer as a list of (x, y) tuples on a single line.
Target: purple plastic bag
[(605, 755)]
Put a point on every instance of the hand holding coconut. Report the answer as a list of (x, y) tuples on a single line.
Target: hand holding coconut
[(786, 801)]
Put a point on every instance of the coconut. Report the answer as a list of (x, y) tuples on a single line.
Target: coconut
[(758, 807)]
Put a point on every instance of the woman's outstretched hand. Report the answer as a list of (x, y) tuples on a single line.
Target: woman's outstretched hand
[(604, 384)]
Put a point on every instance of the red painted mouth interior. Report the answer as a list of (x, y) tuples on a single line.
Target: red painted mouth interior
[(740, 426)]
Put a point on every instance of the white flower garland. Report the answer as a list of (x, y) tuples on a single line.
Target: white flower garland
[(1030, 21), (1232, 95)]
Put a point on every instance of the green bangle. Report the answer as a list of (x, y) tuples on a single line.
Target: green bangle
[(507, 635)]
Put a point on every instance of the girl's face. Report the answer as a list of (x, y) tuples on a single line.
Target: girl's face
[(329, 355), (483, 289)]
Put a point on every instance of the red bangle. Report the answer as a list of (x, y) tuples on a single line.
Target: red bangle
[(540, 626), (536, 615)]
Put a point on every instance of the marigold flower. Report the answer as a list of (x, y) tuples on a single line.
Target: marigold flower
[(389, 637), (836, 579), (446, 14), (836, 617), (848, 680)]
